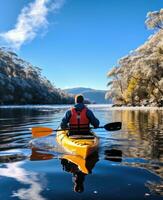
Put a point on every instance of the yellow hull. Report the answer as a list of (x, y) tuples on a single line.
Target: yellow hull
[(81, 147)]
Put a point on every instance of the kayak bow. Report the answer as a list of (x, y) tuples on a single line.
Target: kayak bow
[(79, 145)]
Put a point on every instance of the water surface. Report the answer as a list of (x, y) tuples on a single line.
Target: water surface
[(128, 164)]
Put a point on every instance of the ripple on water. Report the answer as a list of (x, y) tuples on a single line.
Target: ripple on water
[(130, 161)]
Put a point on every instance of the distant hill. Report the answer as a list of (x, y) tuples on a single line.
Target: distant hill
[(23, 83), (93, 95)]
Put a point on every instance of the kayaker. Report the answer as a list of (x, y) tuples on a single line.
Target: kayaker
[(79, 117)]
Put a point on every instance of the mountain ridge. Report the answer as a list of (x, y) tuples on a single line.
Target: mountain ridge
[(93, 95)]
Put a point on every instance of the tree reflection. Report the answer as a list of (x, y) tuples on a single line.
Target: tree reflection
[(141, 136), (156, 188), (144, 127)]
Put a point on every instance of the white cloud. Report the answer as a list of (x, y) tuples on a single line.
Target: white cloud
[(30, 20)]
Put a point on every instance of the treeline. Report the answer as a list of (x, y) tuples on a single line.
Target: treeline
[(22, 83), (138, 77)]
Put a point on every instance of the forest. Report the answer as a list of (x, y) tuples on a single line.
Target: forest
[(137, 79), (23, 83)]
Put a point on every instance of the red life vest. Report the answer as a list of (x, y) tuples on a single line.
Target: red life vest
[(79, 119)]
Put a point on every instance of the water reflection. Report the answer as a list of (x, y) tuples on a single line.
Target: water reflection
[(38, 154), (79, 168), (138, 146), (25, 177), (141, 135), (155, 187), (15, 124), (113, 155), (73, 164)]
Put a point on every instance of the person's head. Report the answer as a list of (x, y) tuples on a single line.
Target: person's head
[(79, 98)]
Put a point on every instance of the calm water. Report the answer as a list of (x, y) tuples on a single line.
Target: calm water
[(128, 164)]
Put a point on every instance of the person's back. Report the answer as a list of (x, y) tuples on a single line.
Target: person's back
[(79, 117)]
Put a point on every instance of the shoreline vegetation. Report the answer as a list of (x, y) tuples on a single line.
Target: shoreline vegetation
[(23, 83), (137, 80)]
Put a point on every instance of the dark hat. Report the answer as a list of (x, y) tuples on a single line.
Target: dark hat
[(79, 98)]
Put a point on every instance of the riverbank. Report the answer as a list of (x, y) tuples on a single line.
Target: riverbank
[(66, 106)]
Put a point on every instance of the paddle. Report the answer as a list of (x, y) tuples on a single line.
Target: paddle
[(45, 131)]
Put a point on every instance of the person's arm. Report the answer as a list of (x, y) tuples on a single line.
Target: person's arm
[(65, 120), (93, 120)]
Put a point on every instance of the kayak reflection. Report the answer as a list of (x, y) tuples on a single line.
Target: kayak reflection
[(79, 168), (76, 165)]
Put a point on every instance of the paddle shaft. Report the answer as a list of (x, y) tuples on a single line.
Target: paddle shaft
[(68, 129), (108, 127), (39, 131)]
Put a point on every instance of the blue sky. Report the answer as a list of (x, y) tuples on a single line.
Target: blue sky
[(77, 43)]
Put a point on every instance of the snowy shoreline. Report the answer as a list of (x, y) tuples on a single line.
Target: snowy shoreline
[(99, 106)]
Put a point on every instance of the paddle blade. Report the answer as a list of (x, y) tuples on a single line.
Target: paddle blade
[(41, 131), (37, 155), (114, 126)]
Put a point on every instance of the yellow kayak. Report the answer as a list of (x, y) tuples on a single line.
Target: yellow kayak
[(81, 145)]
